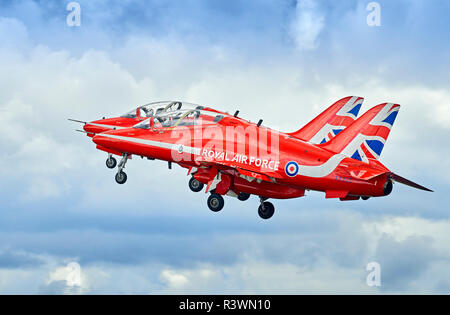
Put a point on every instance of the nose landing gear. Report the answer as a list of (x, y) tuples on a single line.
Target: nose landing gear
[(121, 177), (111, 162)]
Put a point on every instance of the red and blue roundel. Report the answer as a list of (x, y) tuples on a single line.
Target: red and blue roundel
[(291, 169)]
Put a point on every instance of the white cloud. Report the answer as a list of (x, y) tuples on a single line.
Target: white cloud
[(173, 279), (71, 274), (307, 24), (295, 262)]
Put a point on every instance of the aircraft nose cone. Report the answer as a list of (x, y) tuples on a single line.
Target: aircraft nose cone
[(107, 141), (101, 140), (89, 128), (97, 126)]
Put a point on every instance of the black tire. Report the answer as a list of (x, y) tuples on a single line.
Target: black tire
[(365, 198), (195, 185), (111, 162), (267, 212), (215, 202), (243, 196), (121, 178)]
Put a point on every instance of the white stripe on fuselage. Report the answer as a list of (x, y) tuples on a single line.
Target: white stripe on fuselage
[(322, 170), (163, 145)]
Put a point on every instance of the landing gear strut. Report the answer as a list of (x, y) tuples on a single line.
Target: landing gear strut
[(266, 209), (195, 185), (215, 202), (121, 177), (111, 162)]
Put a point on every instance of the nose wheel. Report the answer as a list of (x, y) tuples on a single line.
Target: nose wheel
[(215, 202), (121, 176), (111, 162), (266, 210)]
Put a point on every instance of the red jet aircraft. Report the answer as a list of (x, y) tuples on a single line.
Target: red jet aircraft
[(235, 157), (321, 129)]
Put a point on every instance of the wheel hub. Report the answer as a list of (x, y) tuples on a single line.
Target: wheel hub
[(214, 203)]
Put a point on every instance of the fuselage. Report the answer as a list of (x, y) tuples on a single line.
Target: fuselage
[(257, 160)]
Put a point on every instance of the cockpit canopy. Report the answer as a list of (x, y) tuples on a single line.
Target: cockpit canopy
[(192, 117), (156, 108)]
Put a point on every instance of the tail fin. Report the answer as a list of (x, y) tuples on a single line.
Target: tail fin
[(365, 138), (331, 122)]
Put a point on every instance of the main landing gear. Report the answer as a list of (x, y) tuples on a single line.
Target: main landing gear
[(215, 202), (121, 176), (243, 196), (195, 185), (266, 209)]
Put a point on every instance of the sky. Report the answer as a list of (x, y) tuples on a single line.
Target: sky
[(282, 61)]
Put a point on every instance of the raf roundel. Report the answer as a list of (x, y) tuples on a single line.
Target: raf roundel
[(291, 169)]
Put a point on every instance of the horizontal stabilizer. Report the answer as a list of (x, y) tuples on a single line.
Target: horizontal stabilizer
[(407, 182)]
